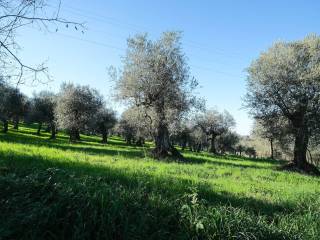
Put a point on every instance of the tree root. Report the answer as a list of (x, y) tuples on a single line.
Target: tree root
[(163, 154)]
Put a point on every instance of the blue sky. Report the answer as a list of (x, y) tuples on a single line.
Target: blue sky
[(220, 39)]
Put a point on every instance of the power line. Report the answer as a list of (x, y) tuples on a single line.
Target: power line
[(101, 44), (111, 20), (91, 41), (122, 49), (197, 56)]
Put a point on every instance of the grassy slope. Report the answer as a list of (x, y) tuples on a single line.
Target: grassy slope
[(56, 190)]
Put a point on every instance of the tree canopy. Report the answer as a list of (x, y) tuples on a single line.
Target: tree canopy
[(156, 77), (76, 108)]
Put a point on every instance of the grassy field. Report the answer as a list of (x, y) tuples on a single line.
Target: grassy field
[(50, 189)]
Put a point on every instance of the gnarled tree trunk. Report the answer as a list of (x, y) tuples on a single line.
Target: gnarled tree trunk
[(164, 148), (162, 141)]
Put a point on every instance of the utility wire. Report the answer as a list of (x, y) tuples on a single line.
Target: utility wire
[(123, 49), (111, 20)]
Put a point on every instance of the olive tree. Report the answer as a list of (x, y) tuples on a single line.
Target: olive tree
[(104, 120), (76, 108), (12, 105), (181, 133), (227, 142), (134, 126), (125, 129), (273, 128), (156, 77), (214, 124), (285, 80), (198, 139), (42, 111), (16, 105), (4, 92)]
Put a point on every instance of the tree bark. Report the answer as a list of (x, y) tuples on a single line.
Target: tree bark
[(164, 148), (104, 137), (162, 142), (310, 155), (300, 148), (213, 144), (271, 149), (16, 123), (39, 128), (5, 126), (53, 131)]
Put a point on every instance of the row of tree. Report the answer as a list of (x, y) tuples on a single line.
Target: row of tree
[(207, 130), (81, 109), (74, 109)]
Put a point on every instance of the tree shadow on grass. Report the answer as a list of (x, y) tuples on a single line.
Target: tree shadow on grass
[(238, 158), (214, 161), (114, 148), (167, 187), (81, 146), (62, 200)]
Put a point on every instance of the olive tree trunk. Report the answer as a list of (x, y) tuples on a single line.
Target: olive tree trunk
[(213, 144), (74, 135), (164, 148), (5, 126), (271, 149), (162, 142), (140, 142), (53, 131), (300, 148), (104, 137), (16, 123), (184, 144), (39, 128), (199, 147)]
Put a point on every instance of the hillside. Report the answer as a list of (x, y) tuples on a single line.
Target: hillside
[(50, 189)]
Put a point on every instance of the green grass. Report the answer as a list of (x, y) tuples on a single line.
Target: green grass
[(50, 189)]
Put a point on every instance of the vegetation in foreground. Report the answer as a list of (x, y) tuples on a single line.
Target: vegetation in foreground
[(51, 189)]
